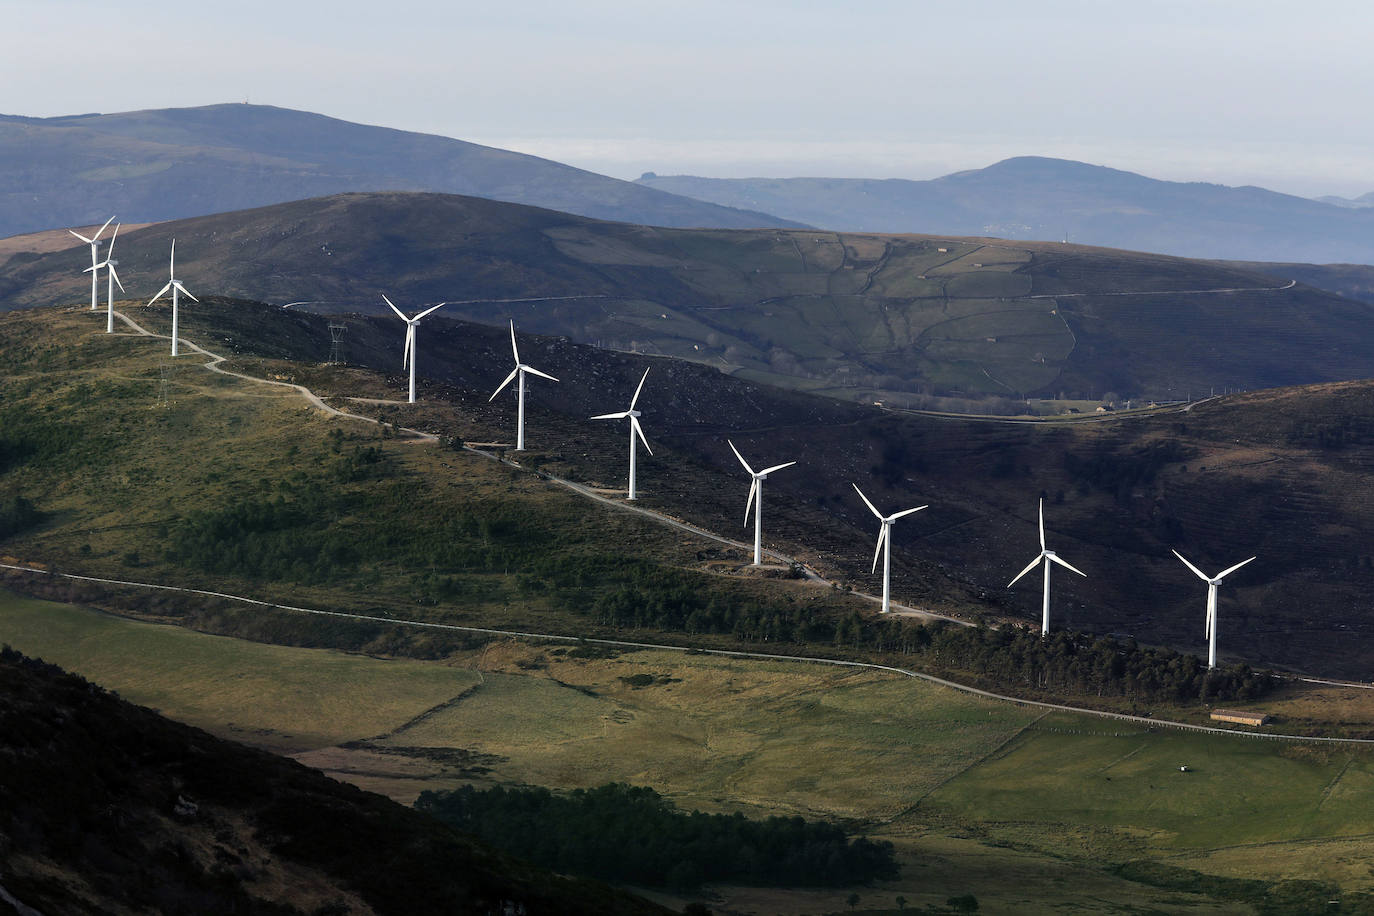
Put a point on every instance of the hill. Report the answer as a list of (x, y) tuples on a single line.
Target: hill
[(1033, 197), (864, 317), (1352, 281), (1273, 473), (171, 163), (108, 807)]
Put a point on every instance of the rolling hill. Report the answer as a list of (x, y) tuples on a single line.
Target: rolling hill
[(1033, 197), (171, 163), (869, 318), (1275, 473)]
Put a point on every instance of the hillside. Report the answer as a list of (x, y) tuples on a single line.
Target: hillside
[(108, 807), (1032, 197), (1273, 473), (1352, 281), (864, 317), (172, 163)]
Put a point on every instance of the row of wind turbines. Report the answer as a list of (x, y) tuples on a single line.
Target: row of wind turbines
[(753, 503), (112, 278)]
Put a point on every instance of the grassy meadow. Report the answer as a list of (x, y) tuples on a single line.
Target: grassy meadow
[(1029, 812)]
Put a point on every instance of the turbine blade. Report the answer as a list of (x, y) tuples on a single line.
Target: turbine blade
[(1065, 564), (501, 387), (739, 456), (160, 293), (172, 262), (612, 416), (777, 467), (637, 390), (177, 284), (871, 508), (114, 273), (1042, 524), (399, 314), (749, 503), (110, 254), (1223, 575), (1033, 563), (1200, 574), (895, 516), (104, 227), (432, 308), (534, 371), (410, 345), (882, 536), (82, 237), (634, 424), (86, 270), (513, 351)]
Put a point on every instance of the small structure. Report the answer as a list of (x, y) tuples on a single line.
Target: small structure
[(1239, 717)]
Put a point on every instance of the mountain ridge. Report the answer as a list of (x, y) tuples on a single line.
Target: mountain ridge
[(1038, 197), (160, 164)]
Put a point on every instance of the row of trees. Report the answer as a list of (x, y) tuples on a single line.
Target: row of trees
[(632, 834)]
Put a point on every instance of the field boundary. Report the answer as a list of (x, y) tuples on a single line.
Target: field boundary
[(1151, 724)]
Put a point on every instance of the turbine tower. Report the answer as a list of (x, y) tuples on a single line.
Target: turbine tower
[(634, 416), (112, 278), (1209, 627), (519, 372), (755, 500), (94, 242), (1049, 557), (174, 286), (884, 541), (411, 323)]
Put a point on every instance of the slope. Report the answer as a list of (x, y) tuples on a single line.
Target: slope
[(864, 317), (1032, 197), (110, 808), (178, 162), (1274, 473)]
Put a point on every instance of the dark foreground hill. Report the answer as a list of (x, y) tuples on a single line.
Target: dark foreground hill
[(107, 807), (171, 163), (865, 317), (1032, 197)]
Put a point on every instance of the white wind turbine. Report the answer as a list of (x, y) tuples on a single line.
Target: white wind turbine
[(634, 416), (884, 540), (519, 371), (409, 357), (173, 286), (1049, 557), (94, 242), (113, 278), (1210, 626), (755, 500)]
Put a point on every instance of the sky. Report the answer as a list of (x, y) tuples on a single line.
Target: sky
[(1228, 91)]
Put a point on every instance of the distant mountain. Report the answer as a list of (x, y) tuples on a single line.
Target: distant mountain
[(1364, 200), (145, 166), (857, 316), (1039, 198)]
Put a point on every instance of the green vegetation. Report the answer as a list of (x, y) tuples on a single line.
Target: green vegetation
[(632, 834)]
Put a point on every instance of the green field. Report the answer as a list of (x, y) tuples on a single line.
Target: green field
[(1026, 811)]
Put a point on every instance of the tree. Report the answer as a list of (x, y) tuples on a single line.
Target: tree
[(852, 900)]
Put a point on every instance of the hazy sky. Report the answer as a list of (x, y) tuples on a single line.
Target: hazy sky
[(1231, 91)]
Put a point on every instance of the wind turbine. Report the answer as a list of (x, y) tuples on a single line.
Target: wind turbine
[(884, 540), (94, 242), (755, 500), (410, 338), (1049, 557), (1210, 626), (113, 278), (634, 416), (174, 286), (519, 372)]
